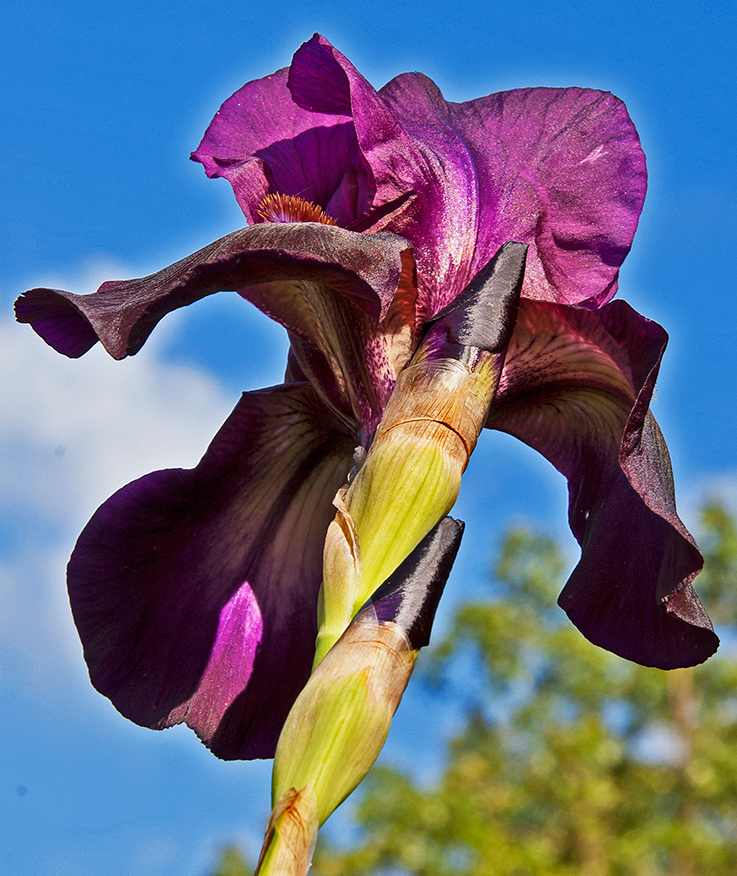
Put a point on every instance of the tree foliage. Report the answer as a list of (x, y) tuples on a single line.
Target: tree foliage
[(569, 760)]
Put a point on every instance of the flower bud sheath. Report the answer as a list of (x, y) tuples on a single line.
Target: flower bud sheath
[(339, 723), (412, 474)]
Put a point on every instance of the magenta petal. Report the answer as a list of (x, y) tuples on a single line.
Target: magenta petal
[(364, 268), (240, 631), (261, 141), (568, 177), (576, 386), (559, 169), (317, 80), (195, 591), (322, 78)]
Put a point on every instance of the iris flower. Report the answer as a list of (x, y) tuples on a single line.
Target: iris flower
[(369, 213)]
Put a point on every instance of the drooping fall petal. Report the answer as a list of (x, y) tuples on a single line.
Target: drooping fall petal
[(121, 314), (195, 591), (576, 386), (348, 300), (351, 358)]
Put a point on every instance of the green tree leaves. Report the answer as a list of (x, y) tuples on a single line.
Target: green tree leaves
[(570, 760)]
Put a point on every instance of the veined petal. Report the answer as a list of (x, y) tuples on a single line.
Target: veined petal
[(560, 169), (350, 357), (577, 386), (443, 222), (323, 80), (425, 182), (364, 268), (572, 184), (195, 591), (262, 142)]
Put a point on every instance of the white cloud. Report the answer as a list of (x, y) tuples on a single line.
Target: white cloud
[(71, 433), (74, 430)]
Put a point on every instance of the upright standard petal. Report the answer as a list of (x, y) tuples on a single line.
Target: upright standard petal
[(561, 169), (263, 142), (577, 386), (321, 79), (195, 591), (424, 179)]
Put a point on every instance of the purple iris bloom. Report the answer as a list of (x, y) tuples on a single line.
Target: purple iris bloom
[(194, 591)]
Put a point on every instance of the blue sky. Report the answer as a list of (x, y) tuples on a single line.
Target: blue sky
[(101, 106)]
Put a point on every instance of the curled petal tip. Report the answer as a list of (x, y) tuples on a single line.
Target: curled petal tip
[(576, 386), (56, 319)]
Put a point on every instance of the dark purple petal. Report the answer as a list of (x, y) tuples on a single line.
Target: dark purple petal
[(560, 169), (262, 142), (577, 386), (195, 591), (365, 269), (351, 359)]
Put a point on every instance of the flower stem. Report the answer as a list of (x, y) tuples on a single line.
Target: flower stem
[(290, 835)]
